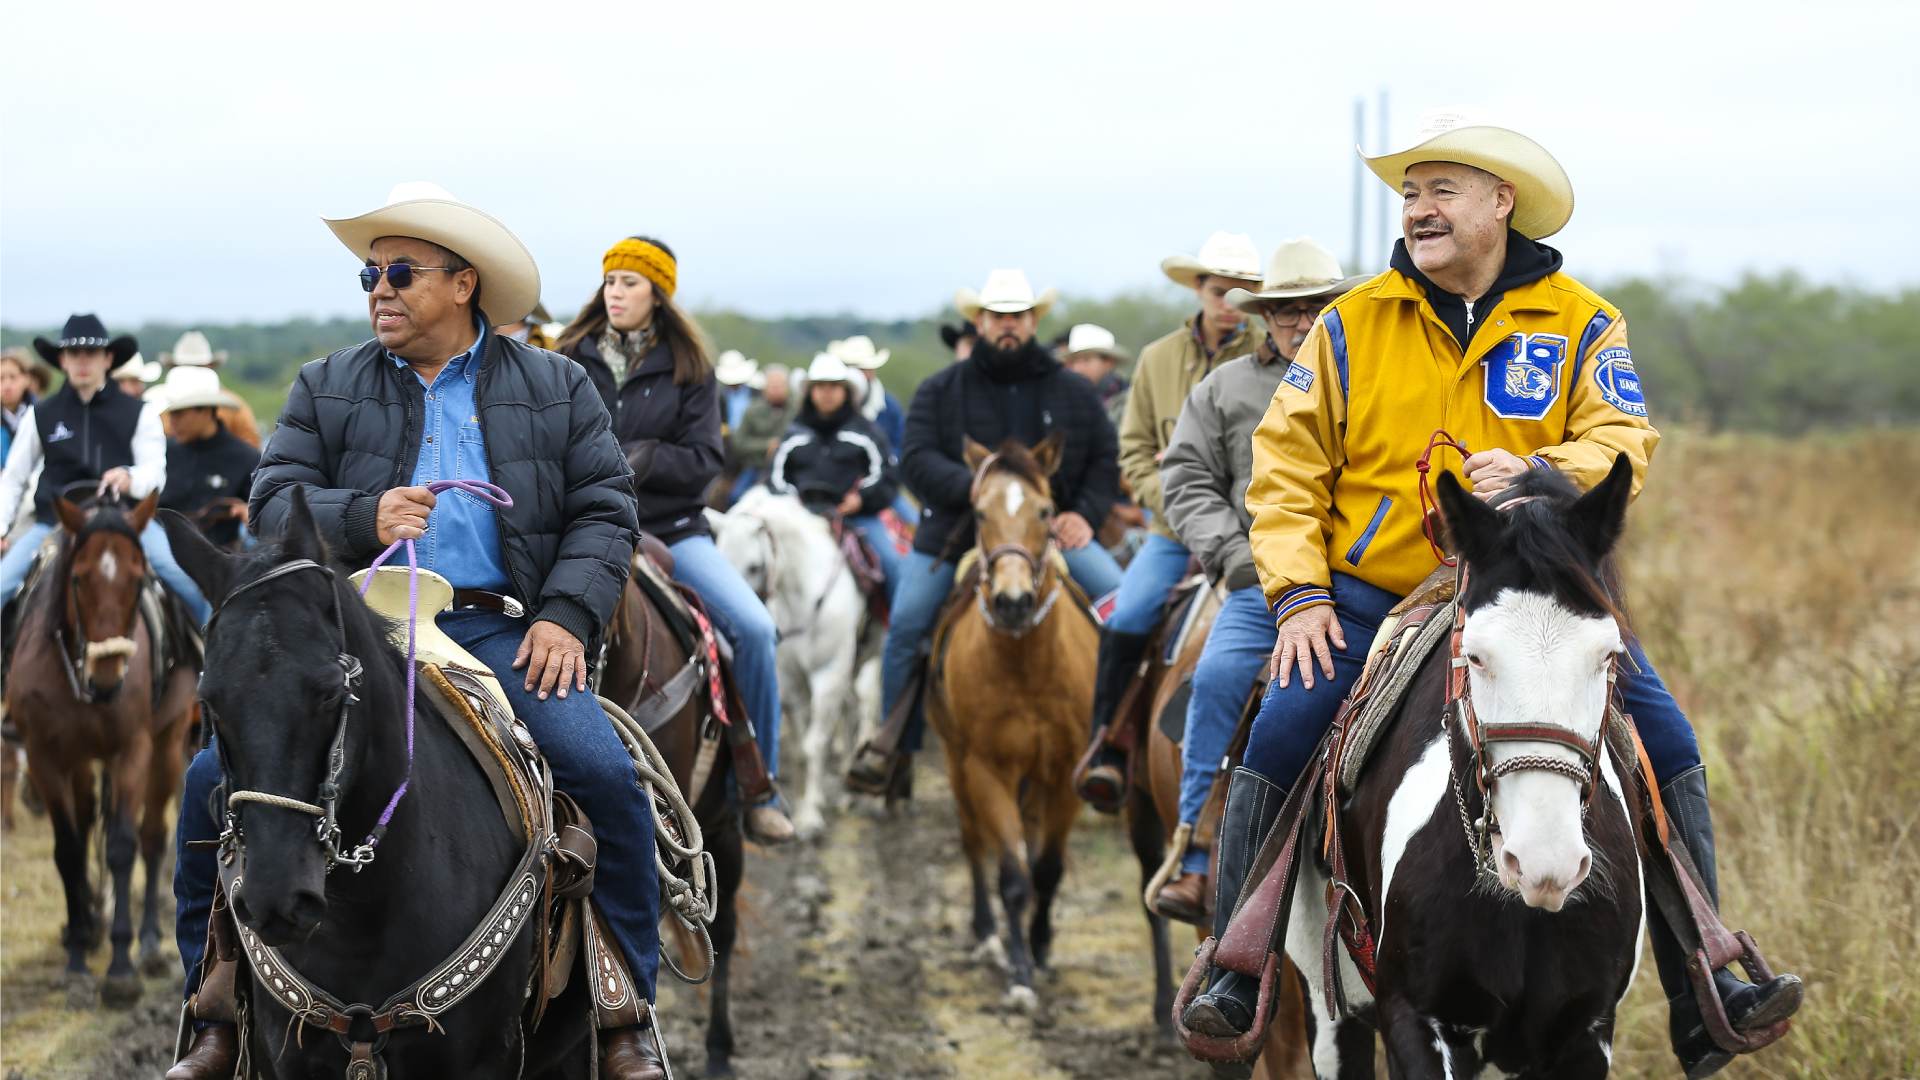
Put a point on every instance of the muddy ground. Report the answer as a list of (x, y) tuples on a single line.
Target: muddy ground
[(855, 962)]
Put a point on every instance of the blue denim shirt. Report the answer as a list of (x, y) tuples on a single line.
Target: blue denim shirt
[(463, 539)]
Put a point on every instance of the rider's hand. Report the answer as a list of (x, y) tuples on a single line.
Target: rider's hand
[(552, 657), (1072, 531), (1491, 471), (1303, 638), (850, 504), (402, 514), (116, 481)]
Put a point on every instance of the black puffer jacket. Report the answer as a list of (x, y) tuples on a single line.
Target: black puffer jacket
[(991, 397), (670, 435), (351, 431), (826, 456)]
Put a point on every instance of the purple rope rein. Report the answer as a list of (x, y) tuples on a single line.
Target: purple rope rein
[(479, 489)]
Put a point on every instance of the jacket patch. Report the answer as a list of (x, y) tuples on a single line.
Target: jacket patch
[(61, 432), (1298, 377), (1523, 375), (1619, 383)]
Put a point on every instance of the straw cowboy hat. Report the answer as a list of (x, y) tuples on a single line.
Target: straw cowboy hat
[(828, 368), (733, 368), (1542, 194), (858, 351), (136, 367), (1007, 292), (1088, 338), (509, 278), (1230, 255), (191, 387), (1298, 268), (86, 332), (193, 350)]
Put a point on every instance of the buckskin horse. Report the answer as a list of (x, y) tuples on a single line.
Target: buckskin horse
[(82, 689), (1487, 861), (1011, 698)]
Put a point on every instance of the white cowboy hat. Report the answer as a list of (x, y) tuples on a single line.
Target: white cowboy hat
[(1007, 292), (509, 278), (858, 351), (192, 388), (193, 349), (1298, 268), (733, 368), (137, 368), (1086, 337), (1230, 255), (828, 368), (1543, 196)]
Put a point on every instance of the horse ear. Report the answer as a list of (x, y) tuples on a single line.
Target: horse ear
[(1048, 453), (208, 566), (1471, 524), (975, 455), (1599, 516), (302, 538), (72, 518), (143, 511)]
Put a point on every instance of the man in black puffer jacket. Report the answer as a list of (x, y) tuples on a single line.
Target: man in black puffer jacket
[(1010, 387)]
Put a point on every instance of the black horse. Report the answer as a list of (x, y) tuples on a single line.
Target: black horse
[(275, 689)]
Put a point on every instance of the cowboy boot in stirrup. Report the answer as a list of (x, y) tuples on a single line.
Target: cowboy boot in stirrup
[(1103, 782), (631, 1053), (215, 1048), (765, 821), (1748, 1006), (1226, 1009)]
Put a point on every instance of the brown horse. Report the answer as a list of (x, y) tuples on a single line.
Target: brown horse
[(1011, 701), (81, 689), (643, 656)]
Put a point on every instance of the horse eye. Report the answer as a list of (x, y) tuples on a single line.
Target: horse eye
[(1475, 660), (1046, 512)]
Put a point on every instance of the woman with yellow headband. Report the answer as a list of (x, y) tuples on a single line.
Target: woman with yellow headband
[(649, 360)]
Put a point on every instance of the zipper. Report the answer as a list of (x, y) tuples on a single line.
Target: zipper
[(1470, 304), (486, 449)]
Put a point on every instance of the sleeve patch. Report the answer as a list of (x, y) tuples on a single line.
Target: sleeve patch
[(1298, 377), (1619, 384)]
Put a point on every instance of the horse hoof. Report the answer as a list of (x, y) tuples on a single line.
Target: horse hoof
[(154, 963), (719, 1066), (991, 951), (120, 991), (1022, 999), (82, 991), (809, 823)]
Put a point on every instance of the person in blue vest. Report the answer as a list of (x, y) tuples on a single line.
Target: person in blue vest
[(90, 430)]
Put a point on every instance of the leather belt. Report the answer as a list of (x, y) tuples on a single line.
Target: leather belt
[(487, 601)]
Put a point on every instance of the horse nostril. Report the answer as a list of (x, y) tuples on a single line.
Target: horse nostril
[(1511, 864), (308, 907), (1586, 864)]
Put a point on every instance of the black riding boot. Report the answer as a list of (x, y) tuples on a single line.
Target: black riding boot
[(1104, 784), (1226, 1009), (1748, 1006)]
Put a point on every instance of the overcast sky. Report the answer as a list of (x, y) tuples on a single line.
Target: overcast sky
[(173, 160)]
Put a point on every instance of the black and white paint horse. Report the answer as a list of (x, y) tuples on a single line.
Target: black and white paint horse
[(1510, 959)]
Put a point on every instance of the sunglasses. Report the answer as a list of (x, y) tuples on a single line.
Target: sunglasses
[(399, 275)]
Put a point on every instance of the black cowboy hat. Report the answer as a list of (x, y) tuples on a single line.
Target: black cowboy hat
[(951, 334), (86, 332)]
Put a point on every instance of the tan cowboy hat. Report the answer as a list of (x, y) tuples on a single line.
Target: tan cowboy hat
[(828, 368), (191, 388), (733, 368), (194, 350), (858, 351), (137, 368), (1298, 268), (509, 278), (1229, 255), (1543, 196), (1088, 338), (1007, 292)]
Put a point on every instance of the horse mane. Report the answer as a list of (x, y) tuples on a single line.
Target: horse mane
[(367, 631), (1549, 550), (1016, 457)]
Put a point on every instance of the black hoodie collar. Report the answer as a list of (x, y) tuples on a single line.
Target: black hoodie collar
[(1527, 261), (1030, 361)]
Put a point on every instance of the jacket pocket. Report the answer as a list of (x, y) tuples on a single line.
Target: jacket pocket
[(1359, 548)]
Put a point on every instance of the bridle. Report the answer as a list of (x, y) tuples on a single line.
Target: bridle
[(1036, 565), (77, 655)]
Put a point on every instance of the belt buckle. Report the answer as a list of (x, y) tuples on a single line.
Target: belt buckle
[(512, 607)]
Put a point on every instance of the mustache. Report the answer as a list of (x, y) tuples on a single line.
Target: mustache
[(1431, 224)]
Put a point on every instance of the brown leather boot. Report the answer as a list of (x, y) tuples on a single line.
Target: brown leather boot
[(768, 824), (1184, 898), (215, 1050), (629, 1053)]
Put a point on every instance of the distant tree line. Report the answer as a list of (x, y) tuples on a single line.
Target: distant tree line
[(1771, 353)]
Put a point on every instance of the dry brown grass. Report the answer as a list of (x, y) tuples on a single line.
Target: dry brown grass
[(1777, 586)]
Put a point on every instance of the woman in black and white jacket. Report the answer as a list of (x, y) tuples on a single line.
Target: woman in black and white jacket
[(836, 460)]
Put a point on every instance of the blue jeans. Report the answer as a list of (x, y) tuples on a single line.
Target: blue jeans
[(1292, 718), (1156, 568), (589, 763), (740, 615), (924, 583), (881, 541), (1235, 654), (153, 541)]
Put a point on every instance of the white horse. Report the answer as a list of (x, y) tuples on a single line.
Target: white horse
[(829, 653)]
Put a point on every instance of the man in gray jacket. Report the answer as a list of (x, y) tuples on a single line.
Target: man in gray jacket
[(1204, 478)]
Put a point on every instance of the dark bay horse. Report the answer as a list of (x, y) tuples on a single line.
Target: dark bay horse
[(81, 689), (296, 663), (1509, 946), (643, 655)]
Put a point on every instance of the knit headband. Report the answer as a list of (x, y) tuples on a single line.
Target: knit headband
[(643, 258)]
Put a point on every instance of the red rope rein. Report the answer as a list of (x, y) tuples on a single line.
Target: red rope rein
[(1429, 508)]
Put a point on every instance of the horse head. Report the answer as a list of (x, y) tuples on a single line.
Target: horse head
[(284, 652), (105, 571), (1541, 634), (1013, 519)]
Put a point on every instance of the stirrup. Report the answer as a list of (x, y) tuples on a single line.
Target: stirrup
[(871, 772)]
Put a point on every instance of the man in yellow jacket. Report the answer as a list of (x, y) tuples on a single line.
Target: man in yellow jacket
[(1474, 329), (1168, 370)]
